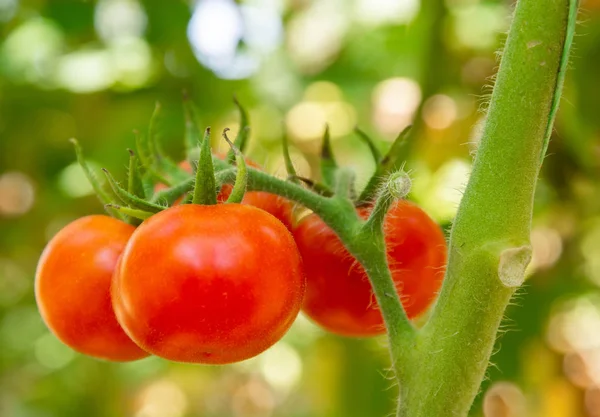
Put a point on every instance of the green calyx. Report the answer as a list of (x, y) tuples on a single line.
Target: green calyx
[(155, 182)]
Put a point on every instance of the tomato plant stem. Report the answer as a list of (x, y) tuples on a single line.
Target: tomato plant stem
[(489, 247)]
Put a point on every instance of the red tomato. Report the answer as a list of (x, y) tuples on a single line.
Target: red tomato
[(271, 203), (72, 287), (339, 296), (209, 284)]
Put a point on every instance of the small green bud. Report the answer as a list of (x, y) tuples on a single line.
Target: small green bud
[(398, 184)]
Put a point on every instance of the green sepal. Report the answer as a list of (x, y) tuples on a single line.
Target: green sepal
[(192, 131), (148, 161), (134, 177), (163, 163), (328, 164), (130, 212), (205, 188), (241, 140), (102, 195), (289, 165), (148, 184), (370, 143), (397, 154), (392, 161), (130, 199), (241, 177)]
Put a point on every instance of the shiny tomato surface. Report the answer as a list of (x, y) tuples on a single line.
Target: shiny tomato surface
[(72, 287), (209, 284), (339, 296), (271, 203)]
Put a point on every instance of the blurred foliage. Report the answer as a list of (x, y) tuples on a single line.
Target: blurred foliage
[(94, 70)]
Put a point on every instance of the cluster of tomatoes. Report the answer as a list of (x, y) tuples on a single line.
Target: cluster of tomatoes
[(221, 283)]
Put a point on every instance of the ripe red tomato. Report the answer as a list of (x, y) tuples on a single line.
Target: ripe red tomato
[(271, 203), (339, 296), (209, 284), (72, 287)]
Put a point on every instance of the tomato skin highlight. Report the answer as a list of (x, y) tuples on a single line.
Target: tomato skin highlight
[(339, 296), (209, 284), (72, 287), (276, 205)]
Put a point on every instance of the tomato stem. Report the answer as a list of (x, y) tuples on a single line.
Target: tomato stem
[(395, 187), (489, 245), (317, 187)]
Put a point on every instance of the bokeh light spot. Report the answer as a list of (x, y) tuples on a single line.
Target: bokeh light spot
[(116, 19), (281, 366), (13, 282), (395, 101), (73, 182), (504, 399), (51, 353), (440, 111), (314, 36), (162, 398), (17, 194), (378, 12), (8, 8), (85, 71)]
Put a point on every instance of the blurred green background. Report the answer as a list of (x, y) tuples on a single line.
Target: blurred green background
[(95, 69)]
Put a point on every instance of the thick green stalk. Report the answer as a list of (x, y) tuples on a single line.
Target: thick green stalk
[(489, 246)]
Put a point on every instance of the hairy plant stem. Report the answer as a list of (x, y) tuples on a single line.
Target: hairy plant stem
[(440, 367), (489, 246)]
